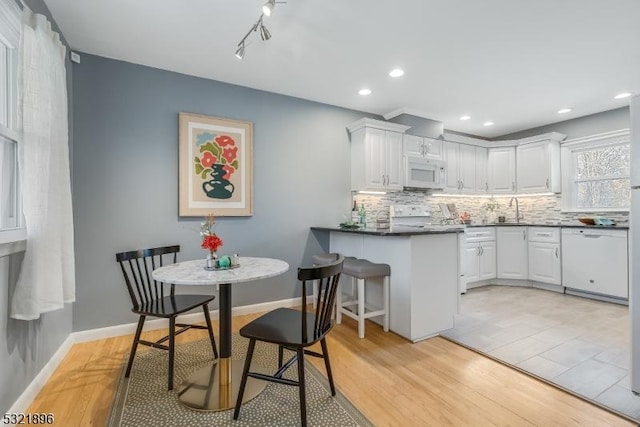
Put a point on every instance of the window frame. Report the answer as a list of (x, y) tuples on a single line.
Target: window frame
[(10, 20), (567, 151)]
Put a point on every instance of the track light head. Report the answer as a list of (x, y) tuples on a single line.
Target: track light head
[(267, 8), (240, 51), (264, 33)]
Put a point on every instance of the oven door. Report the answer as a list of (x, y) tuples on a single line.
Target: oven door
[(423, 173)]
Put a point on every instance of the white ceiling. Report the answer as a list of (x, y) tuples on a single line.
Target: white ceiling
[(514, 62)]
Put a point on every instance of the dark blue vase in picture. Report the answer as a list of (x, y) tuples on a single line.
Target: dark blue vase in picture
[(218, 187)]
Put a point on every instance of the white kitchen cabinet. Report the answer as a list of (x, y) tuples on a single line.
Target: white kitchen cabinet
[(418, 146), (596, 260), (544, 255), (376, 155), (478, 256), (513, 259), (538, 167), (461, 167), (487, 266), (502, 170), (450, 152), (482, 179)]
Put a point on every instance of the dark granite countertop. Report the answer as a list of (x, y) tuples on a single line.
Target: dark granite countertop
[(442, 229), (396, 231), (546, 224)]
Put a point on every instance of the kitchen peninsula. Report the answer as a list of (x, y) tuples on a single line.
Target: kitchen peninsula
[(424, 273)]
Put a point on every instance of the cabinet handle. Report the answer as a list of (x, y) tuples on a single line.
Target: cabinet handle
[(481, 250), (513, 186), (556, 252), (486, 187), (592, 236), (547, 184), (524, 235), (461, 184)]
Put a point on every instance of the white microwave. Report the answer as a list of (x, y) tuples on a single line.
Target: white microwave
[(423, 173)]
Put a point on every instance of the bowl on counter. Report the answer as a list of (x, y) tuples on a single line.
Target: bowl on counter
[(587, 221)]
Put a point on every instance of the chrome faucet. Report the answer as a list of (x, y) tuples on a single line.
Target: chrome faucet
[(518, 217)]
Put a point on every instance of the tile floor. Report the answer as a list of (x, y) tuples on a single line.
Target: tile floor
[(577, 343)]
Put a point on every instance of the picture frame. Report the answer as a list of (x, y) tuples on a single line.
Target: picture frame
[(215, 166)]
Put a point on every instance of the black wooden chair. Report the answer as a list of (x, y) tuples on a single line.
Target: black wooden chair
[(296, 330), (149, 299)]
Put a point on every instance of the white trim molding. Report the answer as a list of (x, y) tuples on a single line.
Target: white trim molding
[(612, 137), (378, 124)]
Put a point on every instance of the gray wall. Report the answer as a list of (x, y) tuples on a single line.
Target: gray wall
[(126, 178), (25, 347), (593, 124)]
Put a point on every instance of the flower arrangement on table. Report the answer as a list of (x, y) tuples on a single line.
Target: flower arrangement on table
[(210, 239)]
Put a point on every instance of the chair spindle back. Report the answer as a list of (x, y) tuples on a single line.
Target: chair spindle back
[(137, 267), (328, 276)]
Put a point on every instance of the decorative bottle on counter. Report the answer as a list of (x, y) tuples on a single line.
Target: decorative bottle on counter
[(355, 215), (363, 215)]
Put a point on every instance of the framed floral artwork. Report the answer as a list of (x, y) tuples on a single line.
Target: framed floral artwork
[(215, 166)]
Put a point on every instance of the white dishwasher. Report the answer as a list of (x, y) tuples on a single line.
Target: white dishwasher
[(596, 260)]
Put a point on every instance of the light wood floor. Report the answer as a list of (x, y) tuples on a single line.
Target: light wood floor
[(393, 382)]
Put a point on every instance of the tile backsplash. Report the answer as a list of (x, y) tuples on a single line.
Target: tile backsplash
[(536, 209)]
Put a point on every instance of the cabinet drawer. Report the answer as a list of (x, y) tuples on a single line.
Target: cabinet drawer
[(544, 234), (480, 234)]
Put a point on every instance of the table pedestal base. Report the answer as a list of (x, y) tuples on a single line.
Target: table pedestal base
[(205, 390)]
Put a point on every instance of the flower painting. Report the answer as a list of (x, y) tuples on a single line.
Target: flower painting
[(215, 166)]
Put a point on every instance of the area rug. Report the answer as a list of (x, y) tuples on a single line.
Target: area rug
[(143, 398)]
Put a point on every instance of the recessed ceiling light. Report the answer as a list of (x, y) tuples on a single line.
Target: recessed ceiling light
[(396, 72), (465, 117), (622, 95), (564, 110), (364, 91), (488, 123)]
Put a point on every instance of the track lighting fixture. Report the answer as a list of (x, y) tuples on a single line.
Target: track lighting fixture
[(240, 50), (264, 33), (267, 8)]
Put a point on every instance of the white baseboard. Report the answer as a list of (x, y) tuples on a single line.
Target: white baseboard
[(29, 394)]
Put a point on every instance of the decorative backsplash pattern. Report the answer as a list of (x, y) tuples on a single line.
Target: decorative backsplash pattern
[(535, 209)]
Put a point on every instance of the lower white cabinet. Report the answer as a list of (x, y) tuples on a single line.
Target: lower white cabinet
[(478, 256), (513, 259), (544, 255)]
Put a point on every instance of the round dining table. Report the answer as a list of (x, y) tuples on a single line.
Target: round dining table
[(215, 387)]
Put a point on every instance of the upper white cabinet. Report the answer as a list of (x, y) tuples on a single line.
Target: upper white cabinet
[(502, 170), (465, 164), (513, 260), (376, 155), (422, 147), (482, 177), (538, 165)]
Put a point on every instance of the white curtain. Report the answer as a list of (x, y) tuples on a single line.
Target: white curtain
[(47, 278)]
